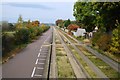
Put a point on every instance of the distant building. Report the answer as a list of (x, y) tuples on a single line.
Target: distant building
[(79, 32), (72, 27)]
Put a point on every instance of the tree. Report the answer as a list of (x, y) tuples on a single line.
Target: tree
[(19, 22), (29, 25), (60, 23), (101, 14), (115, 44), (11, 26), (67, 23), (109, 12), (84, 14)]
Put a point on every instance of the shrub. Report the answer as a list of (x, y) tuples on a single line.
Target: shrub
[(8, 42), (32, 32), (101, 40), (44, 27), (39, 31), (96, 36), (104, 42), (115, 44), (22, 36)]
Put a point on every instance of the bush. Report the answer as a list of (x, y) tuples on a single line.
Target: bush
[(44, 27), (39, 31), (8, 42), (101, 40), (104, 42), (22, 36), (95, 38), (35, 31), (115, 44), (32, 33)]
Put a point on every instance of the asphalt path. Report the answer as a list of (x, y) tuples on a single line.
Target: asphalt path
[(30, 62)]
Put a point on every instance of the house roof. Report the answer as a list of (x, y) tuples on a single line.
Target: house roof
[(73, 27)]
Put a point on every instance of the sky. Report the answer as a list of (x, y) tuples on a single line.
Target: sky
[(45, 12)]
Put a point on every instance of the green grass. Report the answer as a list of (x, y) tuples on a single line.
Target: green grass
[(63, 65), (111, 73), (104, 67), (10, 32), (61, 53), (114, 57), (9, 55), (80, 38)]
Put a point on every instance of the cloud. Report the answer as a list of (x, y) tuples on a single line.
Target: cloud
[(29, 5)]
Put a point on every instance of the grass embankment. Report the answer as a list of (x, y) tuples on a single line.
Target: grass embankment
[(104, 67), (63, 65), (115, 57), (12, 53)]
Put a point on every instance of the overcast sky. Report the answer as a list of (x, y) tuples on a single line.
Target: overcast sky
[(42, 11)]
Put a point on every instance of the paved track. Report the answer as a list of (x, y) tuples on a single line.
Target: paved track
[(31, 61)]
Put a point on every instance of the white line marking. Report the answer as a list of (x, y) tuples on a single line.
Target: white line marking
[(33, 71), (37, 75), (40, 49), (39, 68), (36, 61), (41, 63), (39, 55)]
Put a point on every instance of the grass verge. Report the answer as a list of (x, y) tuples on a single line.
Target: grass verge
[(114, 57), (12, 53), (104, 67)]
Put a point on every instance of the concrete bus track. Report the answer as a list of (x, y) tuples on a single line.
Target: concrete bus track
[(98, 72), (78, 69), (106, 59)]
